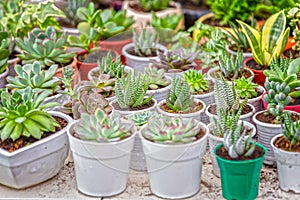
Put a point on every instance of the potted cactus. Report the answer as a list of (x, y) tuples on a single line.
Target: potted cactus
[(286, 151), (48, 47), (175, 62), (180, 102), (228, 98), (4, 56), (231, 69), (159, 84), (38, 79), (101, 147), (130, 92), (144, 47), (268, 122), (201, 88), (251, 91), (240, 161), (173, 146), (27, 131)]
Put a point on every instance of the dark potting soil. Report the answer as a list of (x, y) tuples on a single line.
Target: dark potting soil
[(234, 47), (289, 52), (253, 65), (270, 119), (246, 73), (94, 56), (294, 102), (145, 106), (138, 8), (194, 108), (11, 146), (223, 153), (153, 52), (284, 144), (213, 22), (210, 88), (213, 109)]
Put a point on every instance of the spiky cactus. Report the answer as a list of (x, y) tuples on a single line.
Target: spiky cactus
[(198, 84), (157, 78), (89, 103), (168, 130), (245, 87), (237, 143), (100, 128), (291, 130), (47, 47), (131, 90), (176, 60), (32, 75), (231, 69), (145, 44), (109, 65), (179, 99)]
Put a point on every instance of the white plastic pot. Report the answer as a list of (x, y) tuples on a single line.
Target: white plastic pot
[(195, 115), (58, 98), (160, 94), (288, 167), (95, 69), (101, 169), (3, 78), (36, 162), (213, 141), (213, 70), (257, 101), (245, 117), (234, 53), (175, 170)]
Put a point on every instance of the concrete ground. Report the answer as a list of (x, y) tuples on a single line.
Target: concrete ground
[(63, 186)]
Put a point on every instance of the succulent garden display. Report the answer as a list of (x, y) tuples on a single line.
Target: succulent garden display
[(157, 78), (293, 16), (198, 84)]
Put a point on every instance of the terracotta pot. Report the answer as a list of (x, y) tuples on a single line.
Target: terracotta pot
[(85, 67), (295, 108), (115, 45), (199, 67), (259, 76), (76, 77)]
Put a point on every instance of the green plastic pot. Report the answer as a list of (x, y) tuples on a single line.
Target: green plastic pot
[(240, 179)]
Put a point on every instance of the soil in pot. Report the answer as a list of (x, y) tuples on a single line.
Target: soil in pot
[(131, 51), (253, 65), (246, 73), (235, 48), (138, 8), (194, 108), (94, 56), (223, 153), (289, 52), (284, 144), (213, 109), (145, 106), (23, 141), (270, 119)]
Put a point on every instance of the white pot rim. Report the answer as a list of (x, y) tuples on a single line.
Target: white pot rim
[(126, 69), (176, 146), (160, 90), (126, 6), (135, 111), (87, 142), (281, 150), (214, 69), (245, 54), (181, 114), (262, 90), (5, 73), (44, 140), (206, 94), (133, 57)]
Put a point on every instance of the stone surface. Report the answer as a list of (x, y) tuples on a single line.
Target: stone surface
[(63, 186)]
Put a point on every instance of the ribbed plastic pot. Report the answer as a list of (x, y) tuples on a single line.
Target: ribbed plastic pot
[(101, 169), (160, 94), (175, 170), (288, 167), (212, 71), (207, 99), (257, 101), (240, 179)]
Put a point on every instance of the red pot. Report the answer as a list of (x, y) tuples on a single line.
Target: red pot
[(115, 45), (290, 43), (259, 76), (198, 67), (295, 108)]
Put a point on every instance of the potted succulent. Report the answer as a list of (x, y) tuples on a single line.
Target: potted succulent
[(180, 102), (240, 161), (286, 151), (130, 92), (229, 68), (201, 88), (4, 56), (173, 146), (174, 62), (144, 47), (227, 97), (27, 131), (251, 91), (111, 26), (48, 47), (268, 122), (286, 71), (140, 10), (38, 79), (293, 16), (266, 45), (159, 84), (101, 149)]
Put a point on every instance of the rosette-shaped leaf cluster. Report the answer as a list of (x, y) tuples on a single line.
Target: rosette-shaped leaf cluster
[(157, 78), (245, 87), (198, 84)]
